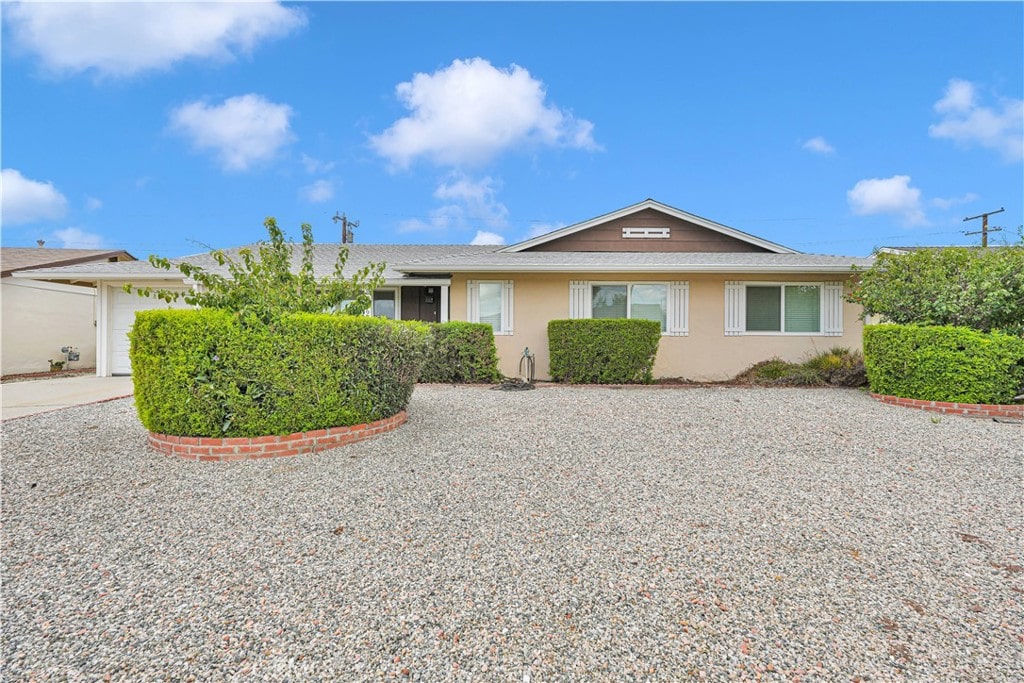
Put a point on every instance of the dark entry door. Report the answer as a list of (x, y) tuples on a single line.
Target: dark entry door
[(421, 303)]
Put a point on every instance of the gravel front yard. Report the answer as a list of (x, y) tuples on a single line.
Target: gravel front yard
[(558, 534)]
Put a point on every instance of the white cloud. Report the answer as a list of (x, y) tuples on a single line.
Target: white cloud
[(76, 238), (893, 195), (470, 112), (950, 202), (320, 191), (819, 145), (314, 166), (539, 229), (93, 204), (484, 237), (469, 204), (25, 200), (959, 97), (125, 38), (477, 198), (967, 123), (243, 131)]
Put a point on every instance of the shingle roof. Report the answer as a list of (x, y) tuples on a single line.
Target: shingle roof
[(406, 260), (13, 259), (577, 261), (324, 258)]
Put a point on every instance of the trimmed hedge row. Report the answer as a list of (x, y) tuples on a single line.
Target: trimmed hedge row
[(603, 351), (950, 364), (205, 372), (461, 352)]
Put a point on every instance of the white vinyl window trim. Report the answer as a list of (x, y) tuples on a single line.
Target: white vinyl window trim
[(369, 311), (830, 308), (495, 306), (395, 303), (677, 324)]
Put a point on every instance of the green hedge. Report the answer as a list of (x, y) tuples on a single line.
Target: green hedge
[(954, 364), (603, 351), (206, 373), (461, 353)]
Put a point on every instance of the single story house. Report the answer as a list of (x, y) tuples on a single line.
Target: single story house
[(725, 298), (41, 317)]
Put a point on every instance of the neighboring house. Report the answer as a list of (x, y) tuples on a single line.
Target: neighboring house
[(725, 299), (39, 318)]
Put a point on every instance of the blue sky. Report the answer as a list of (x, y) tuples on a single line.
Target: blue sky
[(830, 128)]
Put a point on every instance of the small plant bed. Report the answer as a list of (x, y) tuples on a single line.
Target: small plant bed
[(837, 367)]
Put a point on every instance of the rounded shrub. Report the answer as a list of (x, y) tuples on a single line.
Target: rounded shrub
[(461, 352), (603, 351), (208, 372), (952, 364)]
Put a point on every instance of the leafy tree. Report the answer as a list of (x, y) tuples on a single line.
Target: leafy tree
[(263, 286), (977, 288)]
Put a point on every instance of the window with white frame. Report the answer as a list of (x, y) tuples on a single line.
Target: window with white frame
[(385, 303), (491, 302), (664, 302), (796, 308)]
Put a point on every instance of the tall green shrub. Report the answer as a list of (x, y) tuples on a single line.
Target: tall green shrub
[(264, 284), (603, 351), (208, 373), (978, 288), (954, 364), (461, 352)]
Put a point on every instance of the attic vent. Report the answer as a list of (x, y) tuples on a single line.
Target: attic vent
[(646, 233)]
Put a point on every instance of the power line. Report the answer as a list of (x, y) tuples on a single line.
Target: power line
[(984, 225)]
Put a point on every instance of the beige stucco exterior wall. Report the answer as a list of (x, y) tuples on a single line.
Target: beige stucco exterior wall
[(39, 318), (706, 354)]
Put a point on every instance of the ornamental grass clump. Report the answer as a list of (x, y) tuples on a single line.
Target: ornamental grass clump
[(837, 366)]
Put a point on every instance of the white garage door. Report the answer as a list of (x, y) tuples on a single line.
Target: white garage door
[(122, 316)]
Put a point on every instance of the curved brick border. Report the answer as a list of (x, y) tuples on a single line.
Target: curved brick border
[(245, 448), (966, 409)]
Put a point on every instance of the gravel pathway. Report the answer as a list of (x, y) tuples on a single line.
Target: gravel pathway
[(552, 535)]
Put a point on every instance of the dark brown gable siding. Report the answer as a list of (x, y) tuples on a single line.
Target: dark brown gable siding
[(685, 236)]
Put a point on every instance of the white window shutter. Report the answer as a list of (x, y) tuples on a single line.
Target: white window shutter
[(507, 300), (579, 299), (832, 309), (472, 301), (678, 309), (735, 308)]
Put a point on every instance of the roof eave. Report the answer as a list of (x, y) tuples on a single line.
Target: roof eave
[(86, 276), (646, 268)]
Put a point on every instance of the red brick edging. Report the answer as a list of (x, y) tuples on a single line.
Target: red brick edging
[(252, 448), (966, 409)]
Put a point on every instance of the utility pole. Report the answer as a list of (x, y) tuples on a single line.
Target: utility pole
[(984, 225), (348, 235)]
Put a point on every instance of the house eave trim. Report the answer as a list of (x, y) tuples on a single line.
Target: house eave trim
[(733, 268)]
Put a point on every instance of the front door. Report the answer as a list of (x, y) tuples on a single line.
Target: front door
[(421, 303)]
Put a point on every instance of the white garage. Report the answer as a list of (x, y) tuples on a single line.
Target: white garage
[(122, 307)]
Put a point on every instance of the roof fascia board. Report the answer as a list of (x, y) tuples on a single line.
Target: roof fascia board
[(85, 276), (653, 268), (60, 263), (658, 206)]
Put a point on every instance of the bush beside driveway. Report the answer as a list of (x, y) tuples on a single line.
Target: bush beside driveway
[(558, 534)]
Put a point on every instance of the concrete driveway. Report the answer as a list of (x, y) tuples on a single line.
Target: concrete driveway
[(44, 395)]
